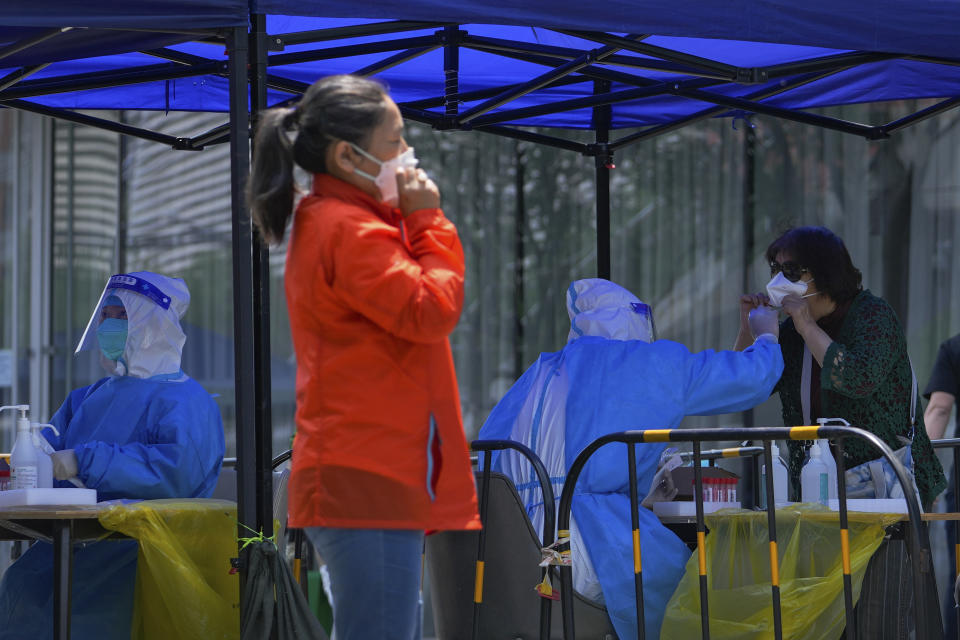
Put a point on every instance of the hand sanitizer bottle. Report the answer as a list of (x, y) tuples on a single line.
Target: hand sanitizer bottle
[(24, 457), (815, 478)]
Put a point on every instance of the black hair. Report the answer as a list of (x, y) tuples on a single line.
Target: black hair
[(823, 253), (334, 108)]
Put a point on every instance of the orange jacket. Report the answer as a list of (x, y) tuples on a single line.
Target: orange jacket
[(372, 298)]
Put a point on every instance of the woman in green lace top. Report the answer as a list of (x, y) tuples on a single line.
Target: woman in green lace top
[(859, 369)]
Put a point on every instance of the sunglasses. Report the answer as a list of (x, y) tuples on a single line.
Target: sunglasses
[(791, 270)]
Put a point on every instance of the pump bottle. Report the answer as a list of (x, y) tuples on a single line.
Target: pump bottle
[(780, 476), (24, 457), (815, 478)]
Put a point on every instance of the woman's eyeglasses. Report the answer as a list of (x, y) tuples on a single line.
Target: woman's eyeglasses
[(791, 270)]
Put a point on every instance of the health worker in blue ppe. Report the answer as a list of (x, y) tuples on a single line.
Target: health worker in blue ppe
[(145, 431), (613, 375)]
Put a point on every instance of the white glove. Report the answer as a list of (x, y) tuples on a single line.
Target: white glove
[(64, 464), (662, 489), (763, 320)]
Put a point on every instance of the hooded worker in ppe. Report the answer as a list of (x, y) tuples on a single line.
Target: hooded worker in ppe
[(145, 431), (612, 376)]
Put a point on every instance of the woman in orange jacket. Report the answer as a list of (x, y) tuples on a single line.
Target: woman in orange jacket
[(374, 285)]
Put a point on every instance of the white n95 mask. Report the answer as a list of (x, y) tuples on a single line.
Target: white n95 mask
[(386, 179), (779, 287)]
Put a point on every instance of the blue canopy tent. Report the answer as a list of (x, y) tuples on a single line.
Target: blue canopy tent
[(626, 69)]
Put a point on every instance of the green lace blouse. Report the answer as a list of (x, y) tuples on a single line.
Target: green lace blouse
[(866, 380)]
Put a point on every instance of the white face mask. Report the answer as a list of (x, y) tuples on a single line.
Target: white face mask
[(386, 179), (779, 287)]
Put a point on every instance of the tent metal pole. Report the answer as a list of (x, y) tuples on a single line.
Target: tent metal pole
[(713, 111), (871, 133), (14, 77), (260, 273), (26, 43), (921, 115), (451, 69), (334, 53), (603, 161), (749, 197), (99, 123), (99, 80), (596, 55), (631, 43), (243, 347), (610, 97), (355, 31), (393, 61), (599, 73), (216, 135), (511, 48), (519, 258), (481, 94), (537, 138)]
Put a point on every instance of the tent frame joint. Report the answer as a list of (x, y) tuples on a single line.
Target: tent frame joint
[(752, 75)]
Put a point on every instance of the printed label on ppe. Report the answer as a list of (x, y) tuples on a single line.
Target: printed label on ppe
[(25, 477)]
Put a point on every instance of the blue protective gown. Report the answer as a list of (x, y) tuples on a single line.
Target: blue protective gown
[(610, 386), (134, 438)]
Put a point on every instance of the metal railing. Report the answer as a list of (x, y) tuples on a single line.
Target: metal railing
[(954, 445), (919, 545), (487, 447)]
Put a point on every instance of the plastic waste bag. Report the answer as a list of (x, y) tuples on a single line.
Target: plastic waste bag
[(184, 588), (274, 600), (738, 574)]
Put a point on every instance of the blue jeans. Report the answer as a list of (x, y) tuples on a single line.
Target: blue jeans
[(374, 580)]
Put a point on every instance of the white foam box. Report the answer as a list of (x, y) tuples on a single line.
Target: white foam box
[(872, 505), (689, 508), (59, 496)]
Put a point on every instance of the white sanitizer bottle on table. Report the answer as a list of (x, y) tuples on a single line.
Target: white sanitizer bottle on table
[(24, 457), (815, 478), (780, 476)]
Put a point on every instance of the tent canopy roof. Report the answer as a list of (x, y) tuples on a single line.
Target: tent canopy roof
[(493, 64)]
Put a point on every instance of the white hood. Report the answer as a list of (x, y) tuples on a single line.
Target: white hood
[(154, 305), (598, 307)]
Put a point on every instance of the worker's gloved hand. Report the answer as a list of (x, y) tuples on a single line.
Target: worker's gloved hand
[(763, 320), (64, 464), (662, 489)]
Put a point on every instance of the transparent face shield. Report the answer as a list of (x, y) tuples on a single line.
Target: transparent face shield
[(644, 326), (120, 281)]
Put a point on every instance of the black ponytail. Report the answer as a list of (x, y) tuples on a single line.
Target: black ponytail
[(333, 108)]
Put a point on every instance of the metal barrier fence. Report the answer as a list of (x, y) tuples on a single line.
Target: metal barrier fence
[(954, 444), (487, 447), (919, 544)]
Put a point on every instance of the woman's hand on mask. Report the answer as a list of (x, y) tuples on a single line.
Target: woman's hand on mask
[(417, 191), (798, 309)]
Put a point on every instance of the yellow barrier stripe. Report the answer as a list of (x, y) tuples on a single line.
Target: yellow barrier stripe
[(845, 551), (956, 557), (657, 435), (636, 551), (478, 585), (774, 566), (701, 553), (732, 452), (296, 570), (804, 433), (563, 533)]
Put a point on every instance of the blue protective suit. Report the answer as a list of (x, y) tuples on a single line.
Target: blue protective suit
[(135, 436), (598, 386)]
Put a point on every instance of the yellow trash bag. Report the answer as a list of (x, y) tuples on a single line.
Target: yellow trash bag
[(739, 597), (184, 588)]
